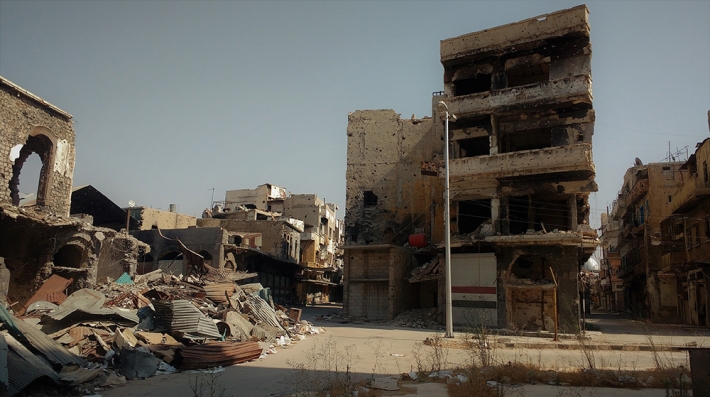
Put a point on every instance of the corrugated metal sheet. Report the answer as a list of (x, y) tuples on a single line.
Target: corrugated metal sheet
[(80, 375), (4, 382), (51, 291), (182, 316), (213, 354), (54, 351), (216, 292), (264, 312), (21, 374)]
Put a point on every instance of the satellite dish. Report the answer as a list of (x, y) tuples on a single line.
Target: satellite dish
[(131, 203)]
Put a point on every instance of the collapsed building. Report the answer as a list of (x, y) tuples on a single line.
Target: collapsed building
[(521, 172), (40, 239)]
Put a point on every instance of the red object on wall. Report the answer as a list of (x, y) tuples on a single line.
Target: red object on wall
[(418, 240)]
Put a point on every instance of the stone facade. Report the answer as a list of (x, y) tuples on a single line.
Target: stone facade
[(31, 125)]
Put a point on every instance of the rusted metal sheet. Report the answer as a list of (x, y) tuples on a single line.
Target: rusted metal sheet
[(51, 291), (218, 292), (212, 354), (183, 317)]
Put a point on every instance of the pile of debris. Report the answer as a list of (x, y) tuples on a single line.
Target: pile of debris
[(418, 318), (152, 324)]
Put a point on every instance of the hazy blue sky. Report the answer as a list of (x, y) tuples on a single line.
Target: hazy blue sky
[(172, 99)]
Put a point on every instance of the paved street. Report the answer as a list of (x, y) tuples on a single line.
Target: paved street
[(382, 350)]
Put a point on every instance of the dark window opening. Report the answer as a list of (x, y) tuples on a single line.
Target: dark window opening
[(250, 206), (707, 227), (705, 171), (531, 139), (518, 214), (528, 74), (145, 264), (473, 147), (473, 214), (207, 256), (69, 256), (370, 199), (41, 145), (478, 83)]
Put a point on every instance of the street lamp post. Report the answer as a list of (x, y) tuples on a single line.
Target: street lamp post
[(447, 226)]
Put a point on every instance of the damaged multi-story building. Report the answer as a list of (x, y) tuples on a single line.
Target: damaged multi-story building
[(685, 236), (642, 203), (41, 239), (521, 172)]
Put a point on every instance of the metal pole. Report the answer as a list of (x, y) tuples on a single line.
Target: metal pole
[(447, 233)]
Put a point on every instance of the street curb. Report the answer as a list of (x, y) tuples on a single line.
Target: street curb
[(590, 346)]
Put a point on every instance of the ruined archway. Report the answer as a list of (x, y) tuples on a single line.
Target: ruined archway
[(71, 255), (41, 145)]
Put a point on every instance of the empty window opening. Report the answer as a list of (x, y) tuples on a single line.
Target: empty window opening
[(70, 255), (145, 264), (41, 145), (705, 171), (370, 198), (29, 182), (518, 214), (475, 84), (473, 147), (530, 140), (474, 216), (528, 74)]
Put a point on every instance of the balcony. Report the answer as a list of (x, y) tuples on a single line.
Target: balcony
[(637, 192), (689, 195), (573, 89), (524, 163)]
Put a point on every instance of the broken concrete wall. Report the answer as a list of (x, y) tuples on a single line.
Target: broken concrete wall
[(151, 218), (208, 242), (524, 273), (375, 286), (388, 197), (31, 125), (266, 197), (34, 250), (279, 238)]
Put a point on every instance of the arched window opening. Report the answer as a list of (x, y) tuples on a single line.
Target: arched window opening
[(70, 255), (41, 145), (171, 262), (29, 183)]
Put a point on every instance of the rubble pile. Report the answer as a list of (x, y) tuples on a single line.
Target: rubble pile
[(138, 327), (417, 318)]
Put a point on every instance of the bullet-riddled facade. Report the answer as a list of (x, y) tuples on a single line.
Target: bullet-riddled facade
[(521, 172)]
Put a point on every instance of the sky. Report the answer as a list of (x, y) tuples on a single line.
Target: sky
[(173, 101)]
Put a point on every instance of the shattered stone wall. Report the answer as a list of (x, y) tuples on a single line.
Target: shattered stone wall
[(149, 218), (279, 238), (206, 241), (31, 125), (387, 196), (34, 249)]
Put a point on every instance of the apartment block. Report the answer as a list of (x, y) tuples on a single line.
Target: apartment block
[(643, 202), (520, 167)]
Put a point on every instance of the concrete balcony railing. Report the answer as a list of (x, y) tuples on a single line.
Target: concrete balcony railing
[(689, 195), (528, 162), (637, 192), (569, 89)]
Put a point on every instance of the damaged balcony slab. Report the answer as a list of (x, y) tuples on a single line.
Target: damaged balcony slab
[(571, 21), (569, 90), (525, 163)]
